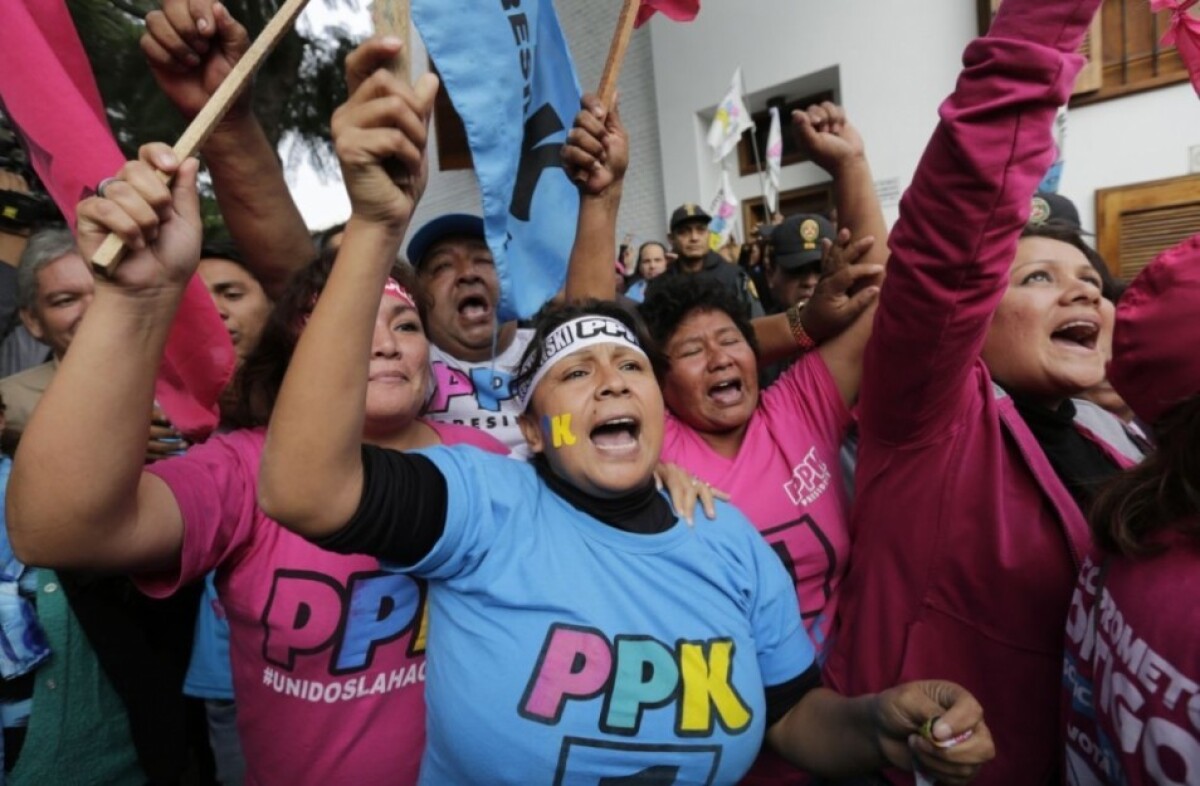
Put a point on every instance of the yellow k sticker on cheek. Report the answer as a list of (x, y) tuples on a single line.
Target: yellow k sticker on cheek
[(559, 427)]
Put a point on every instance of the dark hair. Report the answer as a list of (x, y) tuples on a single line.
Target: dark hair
[(323, 238), (669, 301), (552, 315), (748, 251), (261, 376), (1160, 494), (1111, 287), (222, 249), (646, 245)]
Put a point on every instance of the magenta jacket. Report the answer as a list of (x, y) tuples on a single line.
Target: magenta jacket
[(965, 543)]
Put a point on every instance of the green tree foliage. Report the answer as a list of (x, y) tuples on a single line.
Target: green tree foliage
[(295, 91)]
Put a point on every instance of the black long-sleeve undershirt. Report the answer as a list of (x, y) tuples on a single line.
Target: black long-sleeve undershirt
[(784, 696), (402, 514), (394, 483)]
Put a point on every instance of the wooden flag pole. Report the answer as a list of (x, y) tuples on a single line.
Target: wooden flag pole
[(112, 249), (616, 52), (392, 17)]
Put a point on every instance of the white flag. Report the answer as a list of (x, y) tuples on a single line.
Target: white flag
[(774, 163), (724, 212), (731, 120)]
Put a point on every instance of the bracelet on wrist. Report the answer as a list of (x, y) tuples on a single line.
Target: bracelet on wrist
[(799, 334)]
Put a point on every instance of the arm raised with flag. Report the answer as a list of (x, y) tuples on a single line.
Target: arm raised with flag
[(111, 516), (191, 46), (313, 478), (72, 150), (595, 158)]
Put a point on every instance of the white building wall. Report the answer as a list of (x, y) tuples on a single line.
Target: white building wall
[(1128, 140), (896, 61)]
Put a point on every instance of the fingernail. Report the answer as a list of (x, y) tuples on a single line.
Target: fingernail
[(192, 59), (166, 159), (202, 24), (391, 40)]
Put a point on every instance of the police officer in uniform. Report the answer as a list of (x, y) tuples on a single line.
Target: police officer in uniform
[(796, 246)]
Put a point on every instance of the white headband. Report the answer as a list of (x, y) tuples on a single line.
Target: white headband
[(570, 337)]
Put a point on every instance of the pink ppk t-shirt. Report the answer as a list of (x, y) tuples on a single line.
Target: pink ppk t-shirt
[(787, 480), (327, 651)]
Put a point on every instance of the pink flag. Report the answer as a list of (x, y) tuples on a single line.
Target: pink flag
[(677, 10), (48, 92), (1184, 33)]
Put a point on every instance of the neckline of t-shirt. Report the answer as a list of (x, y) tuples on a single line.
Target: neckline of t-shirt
[(727, 463), (515, 349), (631, 542)]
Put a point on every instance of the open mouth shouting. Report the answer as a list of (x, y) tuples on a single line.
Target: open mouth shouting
[(617, 436), (475, 307), (1077, 334), (727, 393)]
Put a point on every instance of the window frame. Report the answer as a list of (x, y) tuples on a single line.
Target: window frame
[(1115, 202), (1100, 81)]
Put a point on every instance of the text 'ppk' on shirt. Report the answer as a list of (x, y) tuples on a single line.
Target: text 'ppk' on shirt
[(786, 479), (565, 650), (327, 650)]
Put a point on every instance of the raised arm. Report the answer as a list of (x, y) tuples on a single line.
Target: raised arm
[(835, 144), (70, 506), (311, 479), (595, 157), (191, 46), (962, 216)]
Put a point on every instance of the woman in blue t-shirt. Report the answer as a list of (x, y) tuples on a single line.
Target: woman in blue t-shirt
[(578, 632), (576, 627)]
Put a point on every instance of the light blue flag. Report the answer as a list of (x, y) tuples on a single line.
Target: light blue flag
[(1053, 177), (508, 72)]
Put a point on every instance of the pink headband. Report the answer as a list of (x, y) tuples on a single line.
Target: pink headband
[(393, 289)]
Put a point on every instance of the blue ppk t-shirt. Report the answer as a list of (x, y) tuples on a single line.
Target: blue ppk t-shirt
[(565, 651)]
